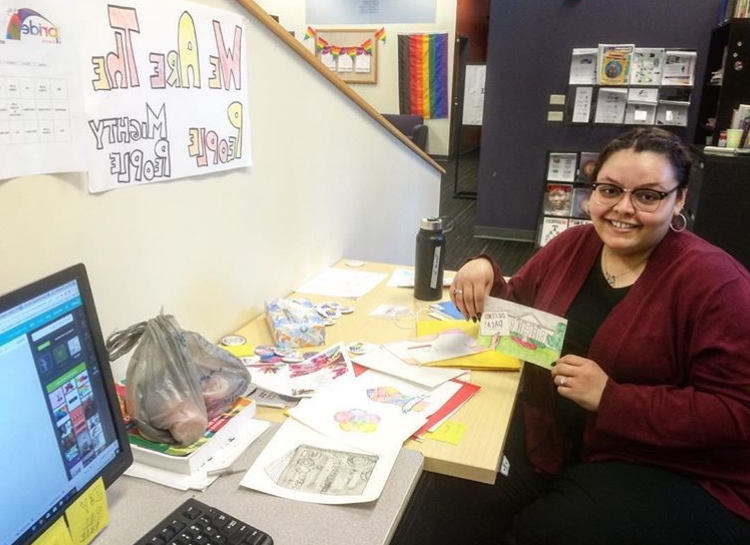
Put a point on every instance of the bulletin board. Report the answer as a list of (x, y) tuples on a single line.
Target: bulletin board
[(351, 38)]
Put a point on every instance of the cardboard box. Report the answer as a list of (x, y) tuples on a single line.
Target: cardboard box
[(295, 323)]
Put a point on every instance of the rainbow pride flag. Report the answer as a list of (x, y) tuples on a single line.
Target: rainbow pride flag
[(423, 74)]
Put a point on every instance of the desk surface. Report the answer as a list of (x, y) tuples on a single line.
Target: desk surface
[(486, 415), (136, 506)]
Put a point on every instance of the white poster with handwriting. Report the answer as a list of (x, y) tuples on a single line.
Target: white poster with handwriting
[(41, 111), (165, 90)]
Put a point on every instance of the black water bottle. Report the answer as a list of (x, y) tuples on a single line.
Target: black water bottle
[(429, 260)]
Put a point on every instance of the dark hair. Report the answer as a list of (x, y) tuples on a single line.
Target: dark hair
[(657, 141)]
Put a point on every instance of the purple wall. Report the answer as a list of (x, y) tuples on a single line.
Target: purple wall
[(528, 58)]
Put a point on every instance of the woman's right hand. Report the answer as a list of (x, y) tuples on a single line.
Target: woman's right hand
[(473, 282)]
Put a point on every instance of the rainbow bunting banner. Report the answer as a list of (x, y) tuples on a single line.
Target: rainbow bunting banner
[(309, 33), (423, 74), (380, 34)]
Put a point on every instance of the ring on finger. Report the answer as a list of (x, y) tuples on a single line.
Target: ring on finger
[(457, 291), (563, 381)]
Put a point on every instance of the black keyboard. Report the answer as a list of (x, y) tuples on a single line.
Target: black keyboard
[(194, 522)]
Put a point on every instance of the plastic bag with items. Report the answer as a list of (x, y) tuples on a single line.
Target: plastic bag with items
[(176, 380)]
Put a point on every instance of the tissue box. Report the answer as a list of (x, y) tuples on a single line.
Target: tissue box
[(295, 323)]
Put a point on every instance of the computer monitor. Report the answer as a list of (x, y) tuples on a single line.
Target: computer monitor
[(61, 422)]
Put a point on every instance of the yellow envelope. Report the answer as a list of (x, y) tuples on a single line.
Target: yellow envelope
[(485, 361)]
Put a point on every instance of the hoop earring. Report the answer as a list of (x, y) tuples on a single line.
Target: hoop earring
[(679, 223)]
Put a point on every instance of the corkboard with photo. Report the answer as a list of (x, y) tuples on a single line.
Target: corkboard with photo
[(565, 201)]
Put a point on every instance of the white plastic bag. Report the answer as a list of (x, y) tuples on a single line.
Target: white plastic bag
[(177, 382)]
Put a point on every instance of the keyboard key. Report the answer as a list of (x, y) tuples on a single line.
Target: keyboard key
[(195, 523)]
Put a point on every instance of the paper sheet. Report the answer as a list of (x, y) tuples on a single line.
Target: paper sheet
[(449, 432), (463, 394), (679, 67), (374, 412), (342, 283), (610, 106), (304, 378), (582, 104), (583, 66), (42, 125), (363, 64), (439, 346), (145, 67), (301, 464), (88, 515), (382, 360)]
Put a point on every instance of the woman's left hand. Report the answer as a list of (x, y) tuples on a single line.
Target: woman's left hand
[(580, 380)]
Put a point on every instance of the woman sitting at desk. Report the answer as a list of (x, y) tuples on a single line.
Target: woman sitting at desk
[(641, 433)]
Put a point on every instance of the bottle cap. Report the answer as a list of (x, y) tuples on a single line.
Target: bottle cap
[(431, 224)]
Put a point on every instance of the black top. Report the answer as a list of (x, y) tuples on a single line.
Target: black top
[(590, 308)]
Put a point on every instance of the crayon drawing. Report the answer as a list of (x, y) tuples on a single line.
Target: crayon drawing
[(522, 332), (357, 420)]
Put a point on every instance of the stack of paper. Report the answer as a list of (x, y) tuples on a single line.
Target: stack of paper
[(351, 430), (340, 445)]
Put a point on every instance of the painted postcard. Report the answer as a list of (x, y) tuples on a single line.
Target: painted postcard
[(523, 332), (320, 370)]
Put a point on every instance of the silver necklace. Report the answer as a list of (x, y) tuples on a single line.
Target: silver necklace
[(612, 278)]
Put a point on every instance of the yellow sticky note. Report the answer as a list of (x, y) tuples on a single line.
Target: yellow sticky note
[(57, 534), (449, 432), (240, 351), (89, 514)]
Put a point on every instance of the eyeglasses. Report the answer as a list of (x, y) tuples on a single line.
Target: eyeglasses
[(645, 200)]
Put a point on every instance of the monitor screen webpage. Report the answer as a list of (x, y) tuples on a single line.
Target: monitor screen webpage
[(61, 421)]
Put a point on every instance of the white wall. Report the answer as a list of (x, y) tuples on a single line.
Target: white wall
[(384, 94), (211, 250)]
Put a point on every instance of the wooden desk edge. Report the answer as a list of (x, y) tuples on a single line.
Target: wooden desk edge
[(453, 469)]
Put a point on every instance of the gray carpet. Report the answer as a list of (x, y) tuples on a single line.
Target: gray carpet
[(461, 243)]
